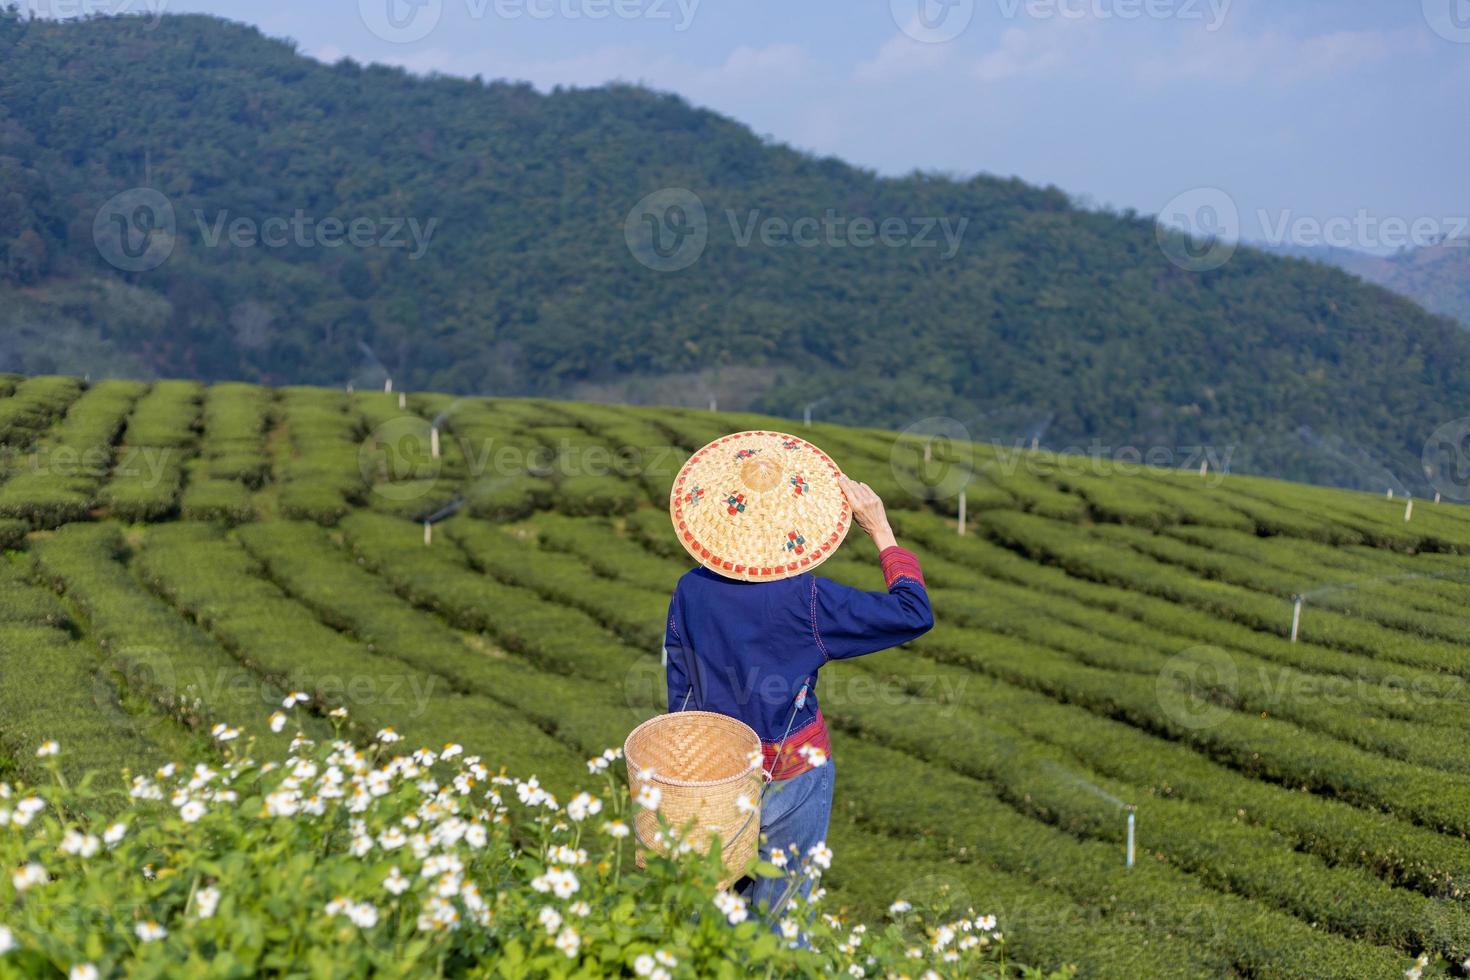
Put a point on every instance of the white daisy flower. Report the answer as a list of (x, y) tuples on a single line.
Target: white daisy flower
[(395, 883), (569, 942), (29, 876), (206, 901), (48, 748), (150, 931), (649, 797), (82, 971)]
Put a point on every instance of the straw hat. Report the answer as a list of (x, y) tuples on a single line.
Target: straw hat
[(759, 506)]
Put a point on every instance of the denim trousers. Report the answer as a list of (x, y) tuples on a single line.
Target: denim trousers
[(794, 816)]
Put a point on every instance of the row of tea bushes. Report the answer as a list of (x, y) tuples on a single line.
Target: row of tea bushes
[(1086, 556), (323, 479), (635, 614), (1397, 851), (1230, 934), (31, 406), (1446, 623), (991, 560), (49, 675), (58, 482), (217, 583), (555, 638), (26, 602), (159, 656), (303, 561), (236, 420), (1213, 845), (161, 436)]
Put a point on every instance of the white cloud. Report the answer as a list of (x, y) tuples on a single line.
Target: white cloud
[(901, 55), (1270, 57)]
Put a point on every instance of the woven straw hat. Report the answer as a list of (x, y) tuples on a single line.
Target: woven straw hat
[(759, 506)]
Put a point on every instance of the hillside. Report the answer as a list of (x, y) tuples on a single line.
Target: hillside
[(182, 556), (1437, 277), (496, 259)]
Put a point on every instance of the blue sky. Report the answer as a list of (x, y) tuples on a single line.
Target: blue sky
[(1293, 113)]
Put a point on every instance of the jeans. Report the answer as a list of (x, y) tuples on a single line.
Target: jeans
[(794, 814)]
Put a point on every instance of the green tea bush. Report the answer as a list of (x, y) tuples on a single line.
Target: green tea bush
[(304, 562), (13, 533), (156, 654), (145, 483), (346, 863), (236, 417), (58, 482), (167, 416), (219, 501), (218, 584), (32, 406), (635, 614), (508, 498)]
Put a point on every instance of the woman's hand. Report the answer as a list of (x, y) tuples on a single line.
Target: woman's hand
[(867, 510)]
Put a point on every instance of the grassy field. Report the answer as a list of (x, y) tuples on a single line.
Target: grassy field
[(1108, 638)]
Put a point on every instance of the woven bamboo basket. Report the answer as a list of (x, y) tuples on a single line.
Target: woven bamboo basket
[(703, 763)]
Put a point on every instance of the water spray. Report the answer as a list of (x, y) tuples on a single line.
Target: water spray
[(1409, 509), (428, 534), (434, 442), (1296, 617), (1131, 811), (388, 387), (964, 498), (402, 401)]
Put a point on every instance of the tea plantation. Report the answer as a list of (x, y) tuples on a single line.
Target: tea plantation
[(1110, 640)]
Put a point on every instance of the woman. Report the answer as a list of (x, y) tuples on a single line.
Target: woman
[(747, 633)]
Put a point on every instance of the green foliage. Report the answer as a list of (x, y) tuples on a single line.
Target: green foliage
[(267, 867)]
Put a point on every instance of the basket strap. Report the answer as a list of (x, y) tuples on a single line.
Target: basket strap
[(691, 668)]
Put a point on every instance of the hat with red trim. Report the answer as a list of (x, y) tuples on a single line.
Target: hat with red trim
[(759, 506)]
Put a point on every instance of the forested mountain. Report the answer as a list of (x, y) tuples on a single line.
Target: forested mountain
[(503, 250), (1437, 276)]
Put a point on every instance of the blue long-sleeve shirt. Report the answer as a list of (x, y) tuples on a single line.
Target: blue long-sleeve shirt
[(746, 649)]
